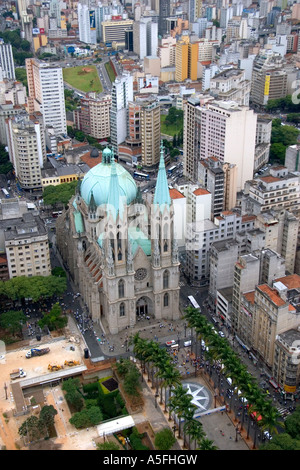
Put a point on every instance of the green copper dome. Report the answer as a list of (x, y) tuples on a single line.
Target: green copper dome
[(97, 181)]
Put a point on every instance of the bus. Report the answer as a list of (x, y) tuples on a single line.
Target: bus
[(5, 192), (56, 214), (138, 175), (194, 302), (170, 170)]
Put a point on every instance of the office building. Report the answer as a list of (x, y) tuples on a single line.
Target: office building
[(269, 78)]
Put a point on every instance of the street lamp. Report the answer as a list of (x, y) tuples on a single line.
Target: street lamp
[(156, 396)]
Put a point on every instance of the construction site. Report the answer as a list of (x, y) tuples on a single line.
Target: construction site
[(31, 378)]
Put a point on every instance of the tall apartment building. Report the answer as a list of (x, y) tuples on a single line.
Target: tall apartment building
[(93, 116), (269, 79), (87, 24), (191, 140), (207, 49), (220, 180), (200, 237), (7, 68), (292, 158), (223, 255), (209, 131), (166, 51), (46, 93), (7, 110), (122, 94), (26, 246), (262, 141), (275, 312), (186, 59), (145, 38), (250, 270), (150, 134), (231, 85), (164, 11), (277, 191), (181, 61), (27, 149)]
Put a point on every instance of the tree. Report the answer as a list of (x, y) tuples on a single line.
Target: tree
[(164, 439), (60, 194), (30, 428), (292, 424), (12, 321), (46, 420), (35, 287), (207, 444), (54, 319)]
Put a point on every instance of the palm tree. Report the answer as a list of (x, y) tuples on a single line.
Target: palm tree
[(175, 401), (207, 444), (171, 378), (194, 430)]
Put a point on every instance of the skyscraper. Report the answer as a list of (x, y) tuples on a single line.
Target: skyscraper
[(122, 93), (46, 93), (6, 61)]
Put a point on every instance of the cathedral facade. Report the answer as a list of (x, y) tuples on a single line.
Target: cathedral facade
[(119, 249)]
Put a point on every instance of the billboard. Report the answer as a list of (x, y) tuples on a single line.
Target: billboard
[(35, 30), (92, 19), (148, 84), (42, 31)]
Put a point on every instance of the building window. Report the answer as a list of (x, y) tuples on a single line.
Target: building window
[(166, 300), (121, 288), (122, 310), (166, 280)]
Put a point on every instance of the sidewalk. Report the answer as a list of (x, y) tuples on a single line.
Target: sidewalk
[(218, 426)]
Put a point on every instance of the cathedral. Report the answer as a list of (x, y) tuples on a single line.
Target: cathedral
[(120, 250)]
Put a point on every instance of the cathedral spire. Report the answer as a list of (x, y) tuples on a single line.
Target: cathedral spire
[(162, 194), (113, 201)]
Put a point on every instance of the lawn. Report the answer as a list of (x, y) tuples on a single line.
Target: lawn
[(83, 78), (110, 72), (171, 129)]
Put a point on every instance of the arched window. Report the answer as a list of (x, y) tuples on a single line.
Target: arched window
[(166, 280), (122, 310), (121, 288), (166, 300)]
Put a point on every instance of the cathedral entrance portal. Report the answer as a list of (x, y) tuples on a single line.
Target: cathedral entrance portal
[(144, 307)]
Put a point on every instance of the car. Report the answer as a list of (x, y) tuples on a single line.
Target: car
[(170, 343), (221, 334)]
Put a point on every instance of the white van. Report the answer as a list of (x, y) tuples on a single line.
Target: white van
[(187, 343)]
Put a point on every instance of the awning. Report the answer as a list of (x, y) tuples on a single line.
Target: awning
[(241, 343), (115, 425)]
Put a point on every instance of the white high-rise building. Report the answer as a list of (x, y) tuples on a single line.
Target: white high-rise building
[(87, 24), (27, 149), (228, 132), (7, 67), (223, 130), (145, 38), (122, 93), (46, 93)]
